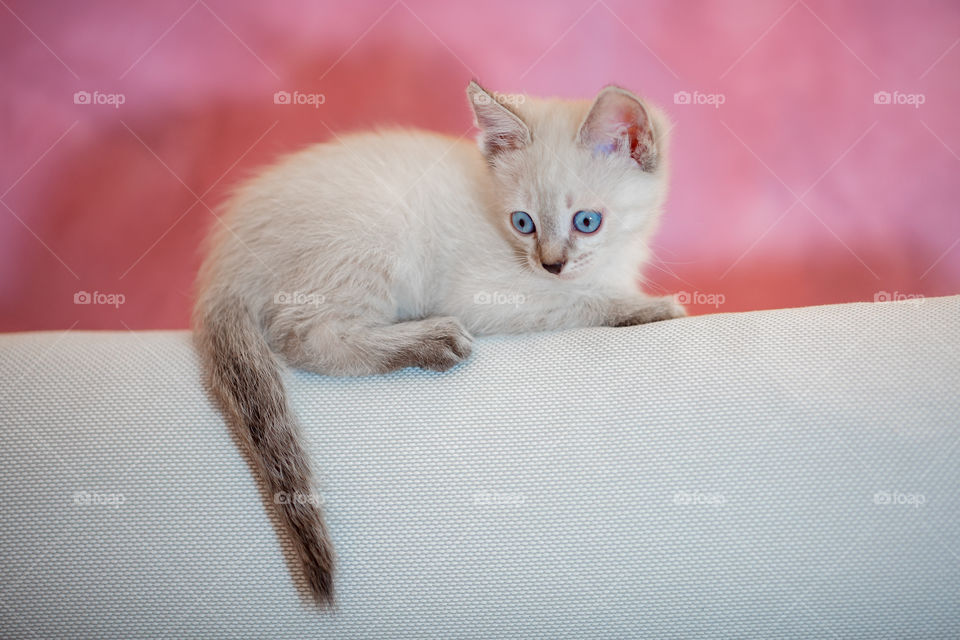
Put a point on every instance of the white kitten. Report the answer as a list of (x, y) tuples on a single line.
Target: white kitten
[(390, 250)]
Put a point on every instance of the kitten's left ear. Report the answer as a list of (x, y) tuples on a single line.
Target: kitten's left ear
[(619, 123), (501, 129)]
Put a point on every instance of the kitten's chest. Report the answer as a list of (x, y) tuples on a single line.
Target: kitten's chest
[(508, 301)]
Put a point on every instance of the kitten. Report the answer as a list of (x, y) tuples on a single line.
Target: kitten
[(393, 249)]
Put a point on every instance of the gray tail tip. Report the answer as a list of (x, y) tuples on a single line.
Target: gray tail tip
[(320, 581)]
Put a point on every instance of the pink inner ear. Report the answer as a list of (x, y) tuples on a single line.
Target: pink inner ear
[(501, 129), (501, 135), (619, 124)]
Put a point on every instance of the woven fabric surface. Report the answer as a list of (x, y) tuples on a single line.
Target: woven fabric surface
[(786, 473)]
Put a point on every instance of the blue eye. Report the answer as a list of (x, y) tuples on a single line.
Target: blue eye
[(522, 222), (587, 221)]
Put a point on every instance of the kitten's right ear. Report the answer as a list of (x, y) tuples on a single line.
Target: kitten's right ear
[(618, 123), (501, 129)]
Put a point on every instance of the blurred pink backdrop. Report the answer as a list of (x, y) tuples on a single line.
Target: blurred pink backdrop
[(791, 186)]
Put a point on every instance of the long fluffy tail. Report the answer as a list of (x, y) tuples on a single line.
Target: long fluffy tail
[(245, 375)]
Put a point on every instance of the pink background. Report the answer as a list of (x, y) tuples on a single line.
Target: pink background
[(97, 198)]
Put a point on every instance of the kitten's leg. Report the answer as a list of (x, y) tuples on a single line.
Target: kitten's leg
[(644, 310), (343, 348)]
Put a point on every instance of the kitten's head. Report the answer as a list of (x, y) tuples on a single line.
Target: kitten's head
[(576, 183)]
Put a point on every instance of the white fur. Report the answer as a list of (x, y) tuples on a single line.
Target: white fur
[(396, 226)]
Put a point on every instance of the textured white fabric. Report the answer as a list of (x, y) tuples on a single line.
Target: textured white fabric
[(787, 473)]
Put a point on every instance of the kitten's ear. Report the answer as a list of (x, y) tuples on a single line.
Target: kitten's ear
[(501, 129), (619, 123)]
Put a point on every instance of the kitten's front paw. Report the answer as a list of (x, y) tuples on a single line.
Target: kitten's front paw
[(673, 309), (444, 344), (650, 310)]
